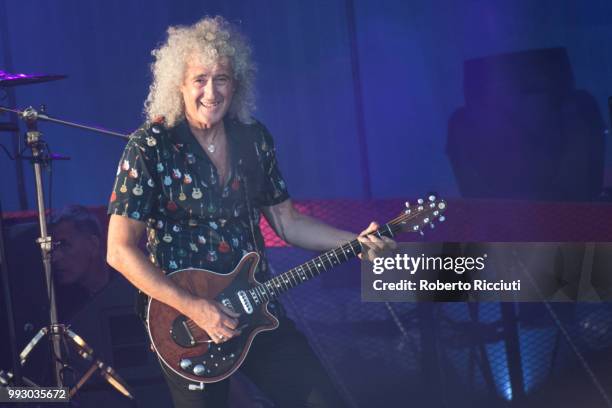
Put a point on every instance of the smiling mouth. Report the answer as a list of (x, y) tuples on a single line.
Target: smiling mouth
[(210, 105)]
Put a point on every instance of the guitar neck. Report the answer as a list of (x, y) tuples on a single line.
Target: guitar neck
[(272, 288)]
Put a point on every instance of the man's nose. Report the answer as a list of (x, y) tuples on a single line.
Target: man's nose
[(209, 88)]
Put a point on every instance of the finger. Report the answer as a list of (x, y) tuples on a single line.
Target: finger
[(230, 323), (375, 243), (366, 243), (389, 243), (371, 228), (221, 334), (368, 250), (228, 311)]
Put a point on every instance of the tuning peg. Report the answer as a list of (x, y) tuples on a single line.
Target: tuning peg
[(442, 218), (407, 203), (432, 205), (421, 232), (425, 220), (436, 213), (415, 227), (432, 198), (408, 211), (420, 201), (432, 225)]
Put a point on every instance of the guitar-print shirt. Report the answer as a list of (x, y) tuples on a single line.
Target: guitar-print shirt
[(165, 179)]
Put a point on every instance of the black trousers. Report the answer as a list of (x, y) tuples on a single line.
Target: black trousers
[(282, 365)]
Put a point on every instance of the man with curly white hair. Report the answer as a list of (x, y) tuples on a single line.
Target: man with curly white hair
[(197, 176)]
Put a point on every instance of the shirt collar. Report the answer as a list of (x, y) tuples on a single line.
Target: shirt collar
[(187, 142)]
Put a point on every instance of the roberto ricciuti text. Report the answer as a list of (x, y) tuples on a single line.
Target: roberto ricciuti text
[(425, 285)]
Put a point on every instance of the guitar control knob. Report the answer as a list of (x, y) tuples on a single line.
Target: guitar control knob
[(199, 369), (185, 363), (420, 201)]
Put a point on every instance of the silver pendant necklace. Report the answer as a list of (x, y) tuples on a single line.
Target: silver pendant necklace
[(211, 146)]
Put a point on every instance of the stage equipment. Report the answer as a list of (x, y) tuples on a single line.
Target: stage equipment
[(525, 131), (8, 80), (190, 352), (56, 331)]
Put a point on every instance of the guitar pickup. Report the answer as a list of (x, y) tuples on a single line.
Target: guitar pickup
[(245, 302)]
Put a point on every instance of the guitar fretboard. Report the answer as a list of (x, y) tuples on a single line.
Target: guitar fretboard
[(274, 287)]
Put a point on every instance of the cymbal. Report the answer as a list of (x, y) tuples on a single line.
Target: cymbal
[(7, 79)]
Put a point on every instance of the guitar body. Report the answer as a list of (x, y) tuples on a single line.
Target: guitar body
[(185, 348)]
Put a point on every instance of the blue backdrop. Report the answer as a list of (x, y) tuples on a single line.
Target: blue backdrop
[(409, 57)]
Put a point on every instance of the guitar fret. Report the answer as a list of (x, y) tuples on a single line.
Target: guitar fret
[(302, 274), (329, 259), (336, 255), (322, 264), (353, 249), (270, 289), (345, 252), (262, 292), (286, 280), (279, 284), (296, 278), (310, 270), (291, 273), (389, 229)]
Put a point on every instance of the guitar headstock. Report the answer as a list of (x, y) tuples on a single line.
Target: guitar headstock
[(421, 214)]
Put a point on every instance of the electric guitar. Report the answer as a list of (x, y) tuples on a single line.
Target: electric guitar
[(188, 350)]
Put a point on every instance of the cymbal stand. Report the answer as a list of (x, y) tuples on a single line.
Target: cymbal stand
[(55, 330)]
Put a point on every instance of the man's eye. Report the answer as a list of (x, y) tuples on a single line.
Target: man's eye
[(221, 80)]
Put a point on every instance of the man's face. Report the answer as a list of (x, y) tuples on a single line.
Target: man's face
[(72, 258), (207, 92)]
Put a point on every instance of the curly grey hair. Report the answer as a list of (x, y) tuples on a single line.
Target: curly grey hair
[(209, 40)]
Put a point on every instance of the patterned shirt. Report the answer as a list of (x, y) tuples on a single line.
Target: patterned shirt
[(167, 180)]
